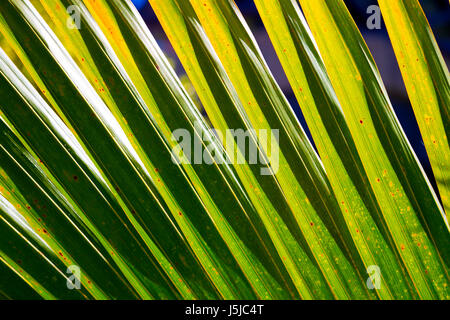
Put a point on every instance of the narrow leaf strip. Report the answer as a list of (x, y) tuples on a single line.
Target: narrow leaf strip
[(427, 80)]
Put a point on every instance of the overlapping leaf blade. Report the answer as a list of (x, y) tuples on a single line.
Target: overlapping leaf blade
[(410, 207), (249, 74), (305, 70), (90, 173), (427, 80), (226, 111)]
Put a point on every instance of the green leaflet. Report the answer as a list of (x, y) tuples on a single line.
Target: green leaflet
[(19, 254), (427, 80), (410, 207), (57, 219), (15, 286)]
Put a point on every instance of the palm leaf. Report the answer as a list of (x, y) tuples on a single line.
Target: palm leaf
[(92, 175)]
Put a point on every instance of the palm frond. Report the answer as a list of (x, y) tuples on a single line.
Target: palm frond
[(92, 175)]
